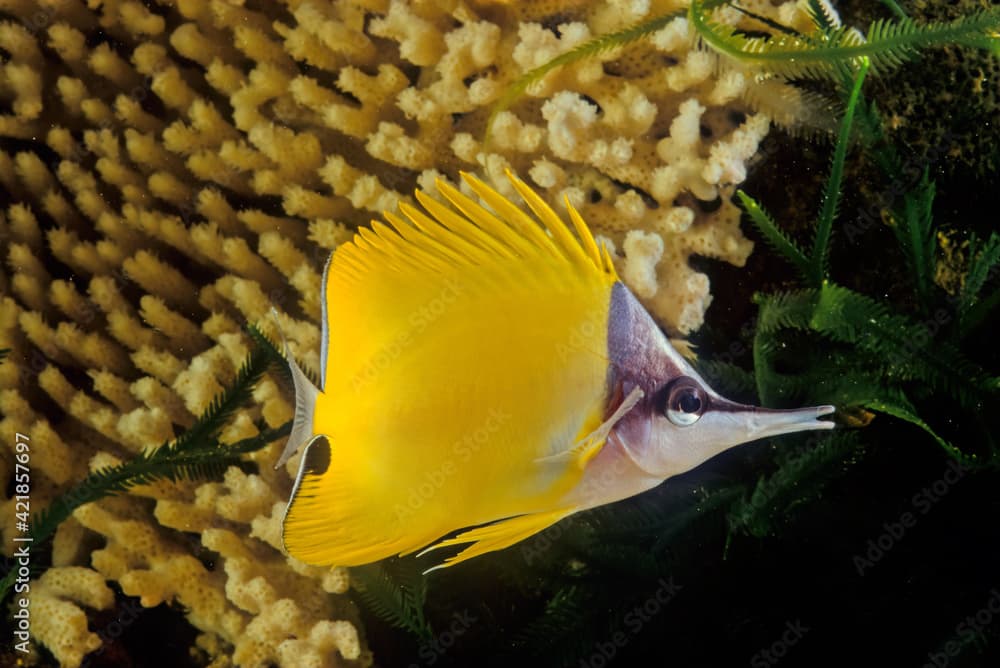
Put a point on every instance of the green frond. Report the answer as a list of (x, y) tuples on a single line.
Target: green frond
[(906, 412), (913, 225), (798, 480), (269, 347), (909, 348), (773, 387), (844, 377), (395, 591), (639, 516), (854, 388), (979, 311), (983, 257), (727, 378), (777, 312), (554, 636), (871, 133), (823, 16), (887, 44), (7, 583), (561, 613), (785, 310), (590, 49), (984, 260), (224, 405), (773, 234), (894, 8), (819, 262)]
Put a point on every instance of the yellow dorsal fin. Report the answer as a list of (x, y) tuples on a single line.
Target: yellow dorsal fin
[(590, 245), (473, 235), (392, 273)]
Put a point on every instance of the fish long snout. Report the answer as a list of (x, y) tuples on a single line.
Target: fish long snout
[(757, 422)]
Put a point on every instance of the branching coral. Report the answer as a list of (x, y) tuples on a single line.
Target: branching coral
[(172, 170)]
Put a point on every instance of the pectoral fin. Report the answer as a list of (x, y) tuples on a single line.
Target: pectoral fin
[(587, 447), (496, 536)]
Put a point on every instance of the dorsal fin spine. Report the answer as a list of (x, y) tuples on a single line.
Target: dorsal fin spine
[(515, 218), (582, 231), (460, 249), (414, 233), (458, 227), (438, 239), (490, 223), (569, 246)]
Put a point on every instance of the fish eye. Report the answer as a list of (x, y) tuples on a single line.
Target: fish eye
[(685, 402)]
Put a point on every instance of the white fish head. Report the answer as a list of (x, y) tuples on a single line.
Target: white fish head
[(680, 421)]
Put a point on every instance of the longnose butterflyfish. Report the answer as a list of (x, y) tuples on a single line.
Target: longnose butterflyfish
[(484, 367)]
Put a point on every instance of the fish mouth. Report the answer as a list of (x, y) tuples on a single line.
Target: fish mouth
[(761, 422)]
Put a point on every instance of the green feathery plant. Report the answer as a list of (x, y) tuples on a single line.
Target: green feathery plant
[(800, 478), (883, 355), (395, 590), (887, 44), (984, 259), (599, 570), (815, 266), (196, 454), (784, 52), (893, 7)]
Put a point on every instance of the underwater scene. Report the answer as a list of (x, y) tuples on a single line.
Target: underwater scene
[(571, 334)]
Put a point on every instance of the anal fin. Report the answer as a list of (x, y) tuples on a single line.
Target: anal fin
[(497, 536)]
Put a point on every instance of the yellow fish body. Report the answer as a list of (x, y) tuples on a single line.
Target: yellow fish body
[(481, 366)]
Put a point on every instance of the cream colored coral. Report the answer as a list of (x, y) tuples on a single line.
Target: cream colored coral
[(183, 175), (57, 620)]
